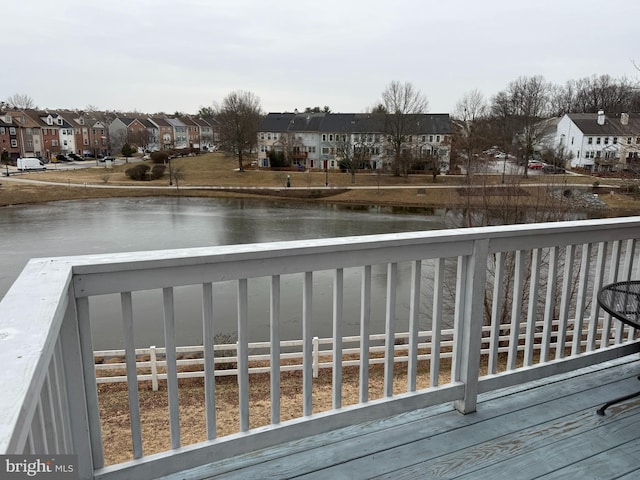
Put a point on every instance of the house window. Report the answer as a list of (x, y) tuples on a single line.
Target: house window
[(104, 141), (29, 143), (312, 149), (12, 130), (572, 138), (598, 141), (431, 138), (14, 143), (590, 140), (268, 136), (637, 139), (86, 141), (54, 143), (324, 137), (331, 137), (437, 138), (628, 140), (410, 138), (95, 142), (275, 136), (606, 140), (262, 136), (424, 138), (615, 140), (1, 130), (325, 150)]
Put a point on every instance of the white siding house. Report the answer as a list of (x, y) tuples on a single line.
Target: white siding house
[(598, 142), (315, 140)]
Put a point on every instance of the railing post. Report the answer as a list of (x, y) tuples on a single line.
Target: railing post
[(73, 366), (470, 325), (154, 367), (316, 357)]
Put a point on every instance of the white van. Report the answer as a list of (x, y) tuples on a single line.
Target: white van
[(30, 164)]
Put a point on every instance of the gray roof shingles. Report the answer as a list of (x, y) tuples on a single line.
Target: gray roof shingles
[(351, 122)]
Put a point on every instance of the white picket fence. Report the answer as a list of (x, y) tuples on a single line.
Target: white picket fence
[(226, 355)]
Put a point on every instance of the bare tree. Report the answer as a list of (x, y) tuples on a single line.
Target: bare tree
[(176, 175), (325, 109), (21, 101), (140, 137), (519, 109), (471, 111), (346, 154), (590, 94), (401, 102), (239, 116)]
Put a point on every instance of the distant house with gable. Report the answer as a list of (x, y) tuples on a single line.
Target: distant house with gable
[(597, 142)]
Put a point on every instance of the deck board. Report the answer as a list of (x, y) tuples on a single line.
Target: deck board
[(545, 429)]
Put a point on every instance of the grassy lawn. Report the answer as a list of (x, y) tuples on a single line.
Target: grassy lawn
[(217, 170)]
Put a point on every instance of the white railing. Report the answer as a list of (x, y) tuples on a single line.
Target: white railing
[(528, 287)]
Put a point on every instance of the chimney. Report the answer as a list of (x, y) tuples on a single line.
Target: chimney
[(624, 119), (600, 117)]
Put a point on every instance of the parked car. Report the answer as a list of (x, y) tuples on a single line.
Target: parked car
[(553, 169), (75, 157), (536, 165), (62, 158)]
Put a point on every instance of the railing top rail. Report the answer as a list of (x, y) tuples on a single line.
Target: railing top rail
[(129, 271), (30, 317)]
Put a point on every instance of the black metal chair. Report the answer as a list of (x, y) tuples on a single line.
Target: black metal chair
[(622, 301)]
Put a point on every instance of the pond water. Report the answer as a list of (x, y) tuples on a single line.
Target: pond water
[(140, 224)]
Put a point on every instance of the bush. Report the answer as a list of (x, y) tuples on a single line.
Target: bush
[(277, 159), (159, 157), (139, 172), (157, 171)]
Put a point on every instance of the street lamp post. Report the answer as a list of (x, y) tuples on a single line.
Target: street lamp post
[(326, 173)]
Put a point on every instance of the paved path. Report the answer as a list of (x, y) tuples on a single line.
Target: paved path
[(320, 187)]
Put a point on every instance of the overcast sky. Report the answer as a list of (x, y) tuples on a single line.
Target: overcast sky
[(158, 55)]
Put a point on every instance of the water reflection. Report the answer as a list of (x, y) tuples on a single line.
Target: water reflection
[(140, 224)]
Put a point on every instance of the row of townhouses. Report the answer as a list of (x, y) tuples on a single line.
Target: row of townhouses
[(321, 140), (593, 141), (45, 133), (600, 143)]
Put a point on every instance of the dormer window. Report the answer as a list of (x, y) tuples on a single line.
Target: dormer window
[(49, 120), (59, 121), (81, 121)]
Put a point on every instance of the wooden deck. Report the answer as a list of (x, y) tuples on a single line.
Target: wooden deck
[(546, 429)]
